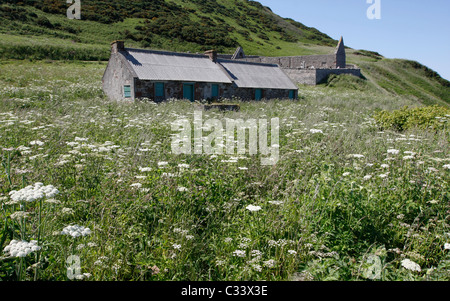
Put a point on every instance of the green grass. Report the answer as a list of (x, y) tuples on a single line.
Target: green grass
[(324, 211)]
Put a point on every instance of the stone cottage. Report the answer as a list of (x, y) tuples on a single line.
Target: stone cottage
[(159, 75)]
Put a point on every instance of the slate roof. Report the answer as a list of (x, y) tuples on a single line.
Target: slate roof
[(173, 66), (256, 75)]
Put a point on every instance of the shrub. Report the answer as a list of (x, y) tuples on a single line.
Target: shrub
[(431, 117)]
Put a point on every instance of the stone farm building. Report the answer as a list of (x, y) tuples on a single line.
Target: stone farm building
[(160, 75)]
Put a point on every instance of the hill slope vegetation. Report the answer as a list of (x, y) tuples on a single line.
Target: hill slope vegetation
[(31, 29)]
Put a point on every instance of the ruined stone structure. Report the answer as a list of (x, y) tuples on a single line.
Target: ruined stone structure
[(308, 69)]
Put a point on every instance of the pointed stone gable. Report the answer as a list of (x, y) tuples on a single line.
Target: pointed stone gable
[(340, 54), (239, 54)]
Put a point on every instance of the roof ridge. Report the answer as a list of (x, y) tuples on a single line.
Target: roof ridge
[(199, 55)]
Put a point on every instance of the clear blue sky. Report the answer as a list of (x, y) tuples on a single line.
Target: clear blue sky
[(410, 29)]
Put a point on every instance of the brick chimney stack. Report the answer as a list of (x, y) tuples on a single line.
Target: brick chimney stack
[(212, 54), (117, 46)]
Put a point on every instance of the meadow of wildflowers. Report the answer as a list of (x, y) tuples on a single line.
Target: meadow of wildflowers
[(93, 183)]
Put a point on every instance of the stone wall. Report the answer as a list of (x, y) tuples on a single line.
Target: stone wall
[(117, 74), (298, 62), (316, 76), (145, 89), (321, 75)]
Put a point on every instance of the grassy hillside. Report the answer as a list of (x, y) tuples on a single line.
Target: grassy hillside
[(40, 30)]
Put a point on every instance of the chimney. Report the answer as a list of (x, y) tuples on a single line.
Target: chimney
[(117, 46), (212, 54)]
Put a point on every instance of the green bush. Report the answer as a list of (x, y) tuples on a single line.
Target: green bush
[(431, 117)]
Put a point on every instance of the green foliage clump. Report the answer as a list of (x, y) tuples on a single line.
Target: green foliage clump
[(430, 117), (347, 81)]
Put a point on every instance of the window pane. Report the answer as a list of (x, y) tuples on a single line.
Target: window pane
[(127, 91)]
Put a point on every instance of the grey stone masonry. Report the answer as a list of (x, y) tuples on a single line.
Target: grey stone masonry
[(308, 69)]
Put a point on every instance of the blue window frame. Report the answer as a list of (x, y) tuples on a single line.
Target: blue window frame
[(258, 94), (215, 91), (127, 91), (159, 90)]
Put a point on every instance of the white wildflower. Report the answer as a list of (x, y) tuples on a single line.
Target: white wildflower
[(34, 192), (447, 166), (182, 189), (67, 211), (292, 252), (447, 246), (315, 131), (239, 253), (136, 185), (269, 263), (411, 265), (18, 215), (253, 208), (345, 174), (393, 151), (145, 169), (276, 202), (368, 177), (76, 231), (21, 248), (37, 142), (176, 247)]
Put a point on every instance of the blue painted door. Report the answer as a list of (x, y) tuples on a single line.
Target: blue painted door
[(188, 91), (258, 94), (215, 91)]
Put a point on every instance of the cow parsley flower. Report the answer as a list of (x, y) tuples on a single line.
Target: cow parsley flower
[(37, 142), (367, 177), (269, 263), (411, 265), (145, 169), (76, 231), (315, 131), (253, 208), (239, 253), (21, 248), (393, 151), (34, 192), (276, 202), (136, 185)]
